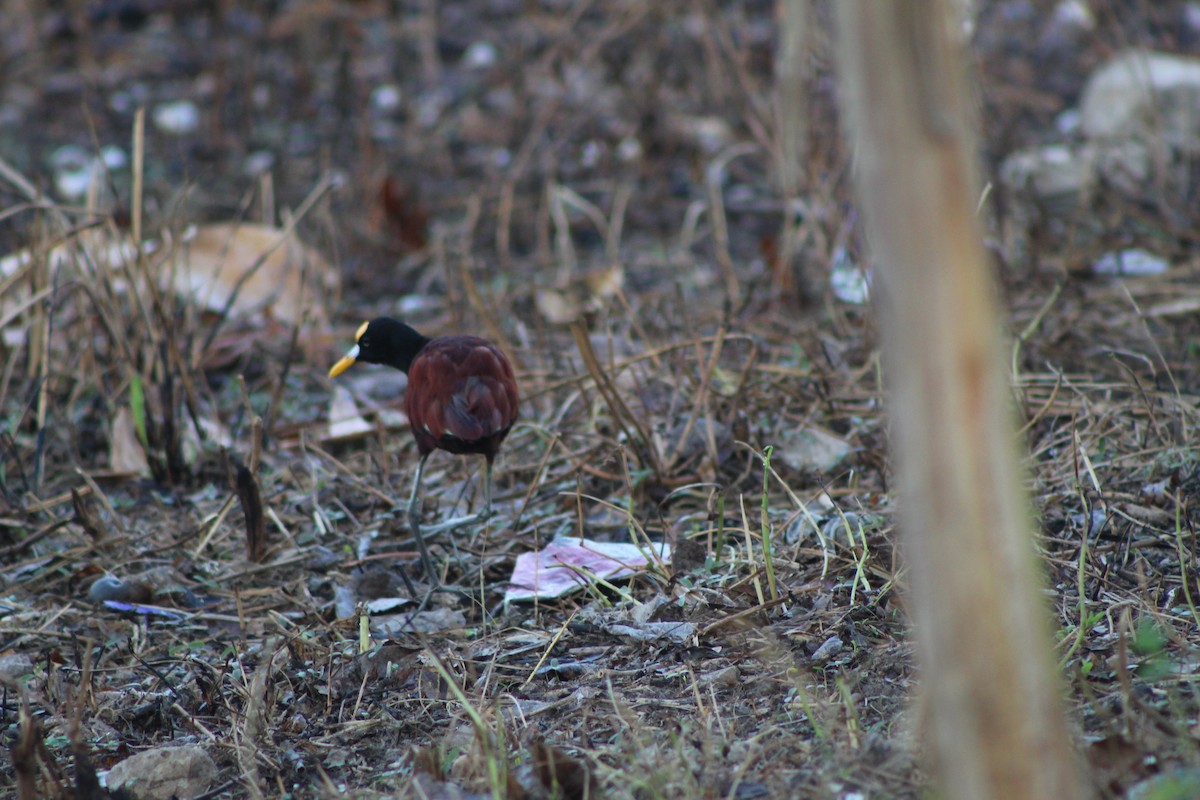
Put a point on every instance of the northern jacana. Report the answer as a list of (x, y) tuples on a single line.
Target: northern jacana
[(461, 398)]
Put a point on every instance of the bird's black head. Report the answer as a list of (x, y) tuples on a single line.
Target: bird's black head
[(383, 340)]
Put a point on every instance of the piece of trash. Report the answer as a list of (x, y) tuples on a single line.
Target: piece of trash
[(143, 610), (1130, 262), (569, 564), (387, 605)]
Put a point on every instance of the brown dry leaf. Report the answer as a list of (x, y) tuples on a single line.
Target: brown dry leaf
[(562, 774), (316, 15), (605, 283), (398, 216), (125, 453), (562, 305), (556, 307), (291, 278), (208, 266)]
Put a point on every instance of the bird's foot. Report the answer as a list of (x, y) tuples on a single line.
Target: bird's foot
[(457, 522)]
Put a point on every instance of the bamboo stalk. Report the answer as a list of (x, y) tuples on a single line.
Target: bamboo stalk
[(981, 630)]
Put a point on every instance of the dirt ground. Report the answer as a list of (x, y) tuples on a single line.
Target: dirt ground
[(560, 177)]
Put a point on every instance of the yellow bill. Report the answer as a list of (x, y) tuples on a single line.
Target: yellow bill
[(347, 361)]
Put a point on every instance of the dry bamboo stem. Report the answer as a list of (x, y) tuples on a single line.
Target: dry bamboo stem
[(981, 630)]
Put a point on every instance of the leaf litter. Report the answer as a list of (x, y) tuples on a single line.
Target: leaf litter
[(135, 617)]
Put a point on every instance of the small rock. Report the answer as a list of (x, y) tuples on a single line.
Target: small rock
[(848, 526), (830, 648), (1046, 172), (728, 676), (849, 282), (110, 587), (72, 184), (1191, 17), (164, 773), (1069, 22), (73, 168), (386, 98), (258, 163), (113, 157), (1093, 525), (1067, 122), (70, 156), (1061, 174), (480, 55), (15, 665), (1179, 784), (391, 626), (1159, 491), (811, 449), (629, 149), (1145, 95), (177, 117)]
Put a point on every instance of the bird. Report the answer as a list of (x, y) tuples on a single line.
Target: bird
[(462, 397)]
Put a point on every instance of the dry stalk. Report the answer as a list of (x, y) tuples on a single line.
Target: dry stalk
[(791, 101), (630, 15), (255, 721), (713, 181), (481, 309), (981, 628), (625, 419)]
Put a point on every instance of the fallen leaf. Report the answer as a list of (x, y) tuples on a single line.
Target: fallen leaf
[(564, 303), (562, 774), (262, 268), (126, 455), (398, 216), (345, 422)]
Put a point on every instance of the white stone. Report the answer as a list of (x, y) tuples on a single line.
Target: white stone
[(1060, 172), (165, 772), (177, 117), (1145, 95), (386, 97), (480, 55)]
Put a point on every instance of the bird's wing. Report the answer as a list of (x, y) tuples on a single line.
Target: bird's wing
[(476, 397)]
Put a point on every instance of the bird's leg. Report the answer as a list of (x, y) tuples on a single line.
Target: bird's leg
[(478, 516), (414, 523)]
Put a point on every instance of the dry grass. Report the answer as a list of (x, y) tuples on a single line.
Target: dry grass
[(797, 681)]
